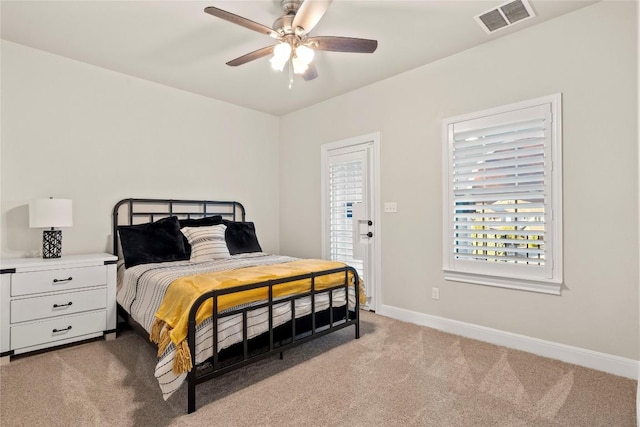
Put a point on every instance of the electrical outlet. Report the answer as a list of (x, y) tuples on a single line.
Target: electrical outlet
[(435, 293)]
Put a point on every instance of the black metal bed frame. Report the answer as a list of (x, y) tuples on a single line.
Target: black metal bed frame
[(160, 208)]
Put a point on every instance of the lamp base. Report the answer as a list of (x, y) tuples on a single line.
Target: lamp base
[(51, 244)]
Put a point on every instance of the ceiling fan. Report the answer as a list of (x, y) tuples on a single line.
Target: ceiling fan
[(295, 47)]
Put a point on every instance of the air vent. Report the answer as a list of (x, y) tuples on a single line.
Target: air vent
[(505, 15)]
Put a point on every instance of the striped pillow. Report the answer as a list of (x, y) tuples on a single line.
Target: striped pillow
[(207, 243)]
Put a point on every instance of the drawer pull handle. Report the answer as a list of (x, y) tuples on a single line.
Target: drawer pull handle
[(62, 280), (62, 305), (68, 328)]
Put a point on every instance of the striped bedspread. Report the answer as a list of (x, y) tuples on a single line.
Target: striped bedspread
[(142, 288)]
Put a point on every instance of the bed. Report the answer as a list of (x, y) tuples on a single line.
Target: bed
[(222, 303)]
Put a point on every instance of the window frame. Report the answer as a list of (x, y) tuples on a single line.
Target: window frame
[(513, 276)]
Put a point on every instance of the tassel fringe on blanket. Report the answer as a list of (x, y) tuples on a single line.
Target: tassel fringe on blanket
[(160, 334), (156, 329)]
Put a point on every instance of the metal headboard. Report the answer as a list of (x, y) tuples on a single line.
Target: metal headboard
[(139, 211)]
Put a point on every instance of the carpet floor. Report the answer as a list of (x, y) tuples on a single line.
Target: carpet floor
[(396, 374)]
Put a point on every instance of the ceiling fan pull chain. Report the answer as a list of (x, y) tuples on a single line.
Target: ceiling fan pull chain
[(290, 74)]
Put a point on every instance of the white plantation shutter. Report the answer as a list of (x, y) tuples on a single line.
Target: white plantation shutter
[(499, 193), (502, 227), (345, 189)]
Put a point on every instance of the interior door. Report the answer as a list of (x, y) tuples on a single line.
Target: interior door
[(349, 217)]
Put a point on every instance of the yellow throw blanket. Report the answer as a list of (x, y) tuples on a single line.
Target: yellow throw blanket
[(172, 317)]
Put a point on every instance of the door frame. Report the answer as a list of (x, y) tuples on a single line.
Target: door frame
[(374, 177)]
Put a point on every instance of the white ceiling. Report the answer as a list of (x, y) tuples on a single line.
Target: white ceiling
[(176, 44)]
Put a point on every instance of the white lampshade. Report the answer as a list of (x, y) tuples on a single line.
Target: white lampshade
[(277, 64), (50, 213), (305, 54), (282, 52), (299, 66)]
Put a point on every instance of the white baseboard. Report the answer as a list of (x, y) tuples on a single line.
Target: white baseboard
[(578, 356)]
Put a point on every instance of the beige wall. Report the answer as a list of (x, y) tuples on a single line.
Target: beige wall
[(72, 130), (590, 57)]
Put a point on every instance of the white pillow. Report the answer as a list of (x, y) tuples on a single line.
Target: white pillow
[(207, 243)]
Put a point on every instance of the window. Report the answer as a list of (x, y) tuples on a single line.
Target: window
[(503, 196)]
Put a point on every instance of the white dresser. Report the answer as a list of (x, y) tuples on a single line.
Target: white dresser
[(50, 302)]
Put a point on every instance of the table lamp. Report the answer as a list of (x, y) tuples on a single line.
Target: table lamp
[(44, 213)]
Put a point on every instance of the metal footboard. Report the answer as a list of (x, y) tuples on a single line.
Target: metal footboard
[(351, 317)]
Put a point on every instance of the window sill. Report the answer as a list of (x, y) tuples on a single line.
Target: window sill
[(550, 288)]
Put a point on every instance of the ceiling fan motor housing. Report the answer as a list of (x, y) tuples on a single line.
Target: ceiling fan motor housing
[(290, 6), (284, 25)]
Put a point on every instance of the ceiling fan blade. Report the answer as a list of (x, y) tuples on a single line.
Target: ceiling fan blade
[(239, 20), (342, 44), (256, 54), (309, 14), (311, 73)]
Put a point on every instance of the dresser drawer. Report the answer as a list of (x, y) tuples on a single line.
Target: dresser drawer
[(58, 328), (61, 304), (57, 280)]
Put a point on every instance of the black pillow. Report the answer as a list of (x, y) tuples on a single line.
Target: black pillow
[(158, 241), (200, 222), (241, 237)]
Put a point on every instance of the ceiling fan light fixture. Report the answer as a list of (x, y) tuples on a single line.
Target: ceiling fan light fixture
[(282, 52), (277, 64), (305, 54), (299, 66)]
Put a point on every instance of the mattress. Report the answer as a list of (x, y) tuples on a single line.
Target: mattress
[(141, 289)]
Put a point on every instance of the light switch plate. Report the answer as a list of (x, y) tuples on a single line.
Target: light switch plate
[(390, 207)]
